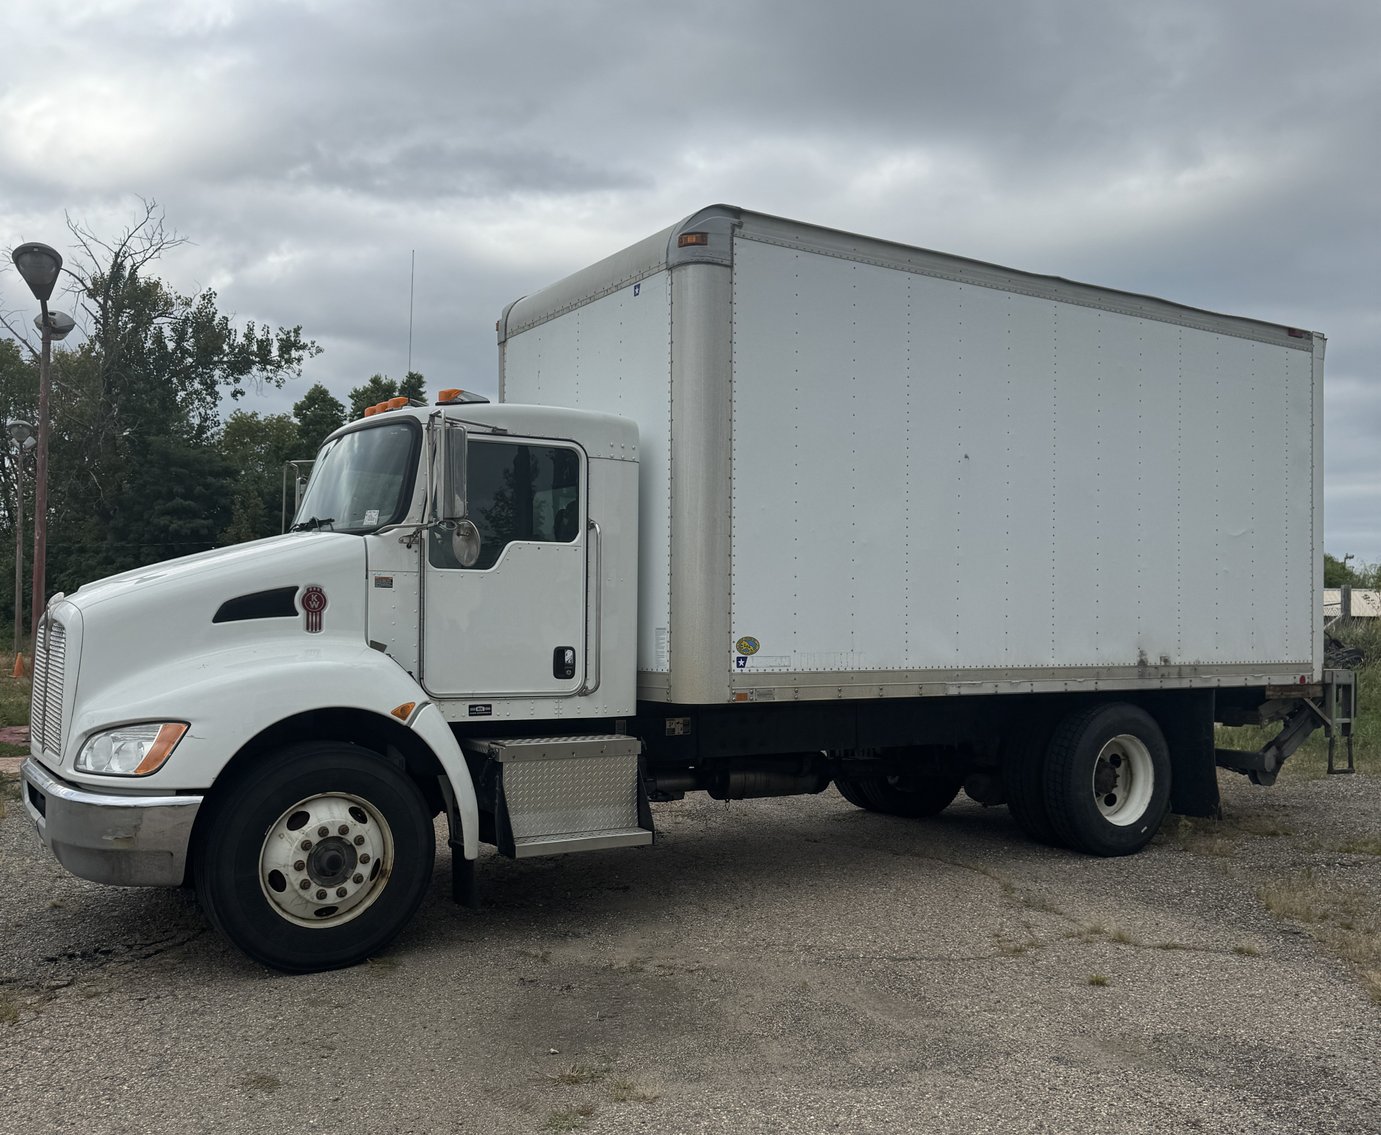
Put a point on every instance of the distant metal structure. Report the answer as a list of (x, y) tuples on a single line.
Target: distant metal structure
[(1350, 603)]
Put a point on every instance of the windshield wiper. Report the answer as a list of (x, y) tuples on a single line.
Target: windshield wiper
[(313, 523)]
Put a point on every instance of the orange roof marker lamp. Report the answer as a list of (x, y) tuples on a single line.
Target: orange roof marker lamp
[(454, 396)]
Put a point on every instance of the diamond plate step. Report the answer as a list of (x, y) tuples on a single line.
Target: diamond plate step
[(564, 794)]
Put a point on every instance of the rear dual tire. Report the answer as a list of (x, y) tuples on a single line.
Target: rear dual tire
[(1100, 784)]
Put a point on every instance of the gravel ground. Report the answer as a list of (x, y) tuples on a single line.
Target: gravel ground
[(785, 965)]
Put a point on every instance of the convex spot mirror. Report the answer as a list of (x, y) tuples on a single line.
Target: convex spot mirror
[(465, 543)]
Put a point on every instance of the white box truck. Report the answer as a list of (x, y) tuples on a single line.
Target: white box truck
[(763, 507)]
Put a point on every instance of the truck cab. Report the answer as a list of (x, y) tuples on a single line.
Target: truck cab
[(279, 721)]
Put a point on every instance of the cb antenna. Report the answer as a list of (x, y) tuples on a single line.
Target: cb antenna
[(412, 278)]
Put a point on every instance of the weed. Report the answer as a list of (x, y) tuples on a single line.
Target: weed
[(583, 1073), (382, 963), (1261, 825), (261, 1082), (626, 1091), (1246, 950), (1098, 979), (1171, 946), (14, 701), (1367, 845), (569, 1118), (1121, 937), (1344, 919), (1200, 837)]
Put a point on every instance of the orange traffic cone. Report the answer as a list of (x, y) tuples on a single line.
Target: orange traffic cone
[(19, 668)]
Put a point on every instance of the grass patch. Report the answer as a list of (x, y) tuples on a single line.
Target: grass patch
[(569, 1118), (1199, 836), (14, 701), (10, 791), (1246, 950), (627, 1091), (583, 1073), (1367, 845), (1345, 920), (1098, 979)]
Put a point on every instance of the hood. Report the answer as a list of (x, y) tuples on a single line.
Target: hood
[(251, 562), (185, 611)]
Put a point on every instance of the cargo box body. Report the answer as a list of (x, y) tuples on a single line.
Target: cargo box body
[(875, 471)]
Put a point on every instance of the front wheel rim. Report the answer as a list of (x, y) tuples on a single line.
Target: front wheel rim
[(1124, 780), (326, 860)]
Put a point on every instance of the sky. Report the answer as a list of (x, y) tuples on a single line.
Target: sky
[(1220, 154)]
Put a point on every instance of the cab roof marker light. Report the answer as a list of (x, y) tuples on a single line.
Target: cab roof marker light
[(397, 403), (370, 411), (454, 395)]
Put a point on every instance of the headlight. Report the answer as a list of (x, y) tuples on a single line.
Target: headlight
[(131, 750)]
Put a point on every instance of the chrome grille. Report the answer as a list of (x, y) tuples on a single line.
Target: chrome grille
[(45, 709)]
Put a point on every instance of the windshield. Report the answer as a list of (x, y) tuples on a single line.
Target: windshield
[(362, 479)]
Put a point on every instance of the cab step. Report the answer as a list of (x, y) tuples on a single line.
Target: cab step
[(555, 795)]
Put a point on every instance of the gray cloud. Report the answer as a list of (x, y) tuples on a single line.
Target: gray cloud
[(1220, 154)]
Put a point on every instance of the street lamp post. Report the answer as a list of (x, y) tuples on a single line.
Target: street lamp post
[(40, 265), (23, 436)]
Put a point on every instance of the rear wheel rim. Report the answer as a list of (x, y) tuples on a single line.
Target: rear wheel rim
[(326, 860), (1124, 780)]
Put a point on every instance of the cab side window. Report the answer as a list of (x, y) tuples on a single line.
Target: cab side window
[(516, 492)]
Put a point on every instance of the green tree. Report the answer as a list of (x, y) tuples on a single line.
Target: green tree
[(257, 447), (318, 413), (379, 388), (135, 472), (413, 386)]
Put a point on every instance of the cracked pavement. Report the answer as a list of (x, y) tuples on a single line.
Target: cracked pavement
[(790, 965)]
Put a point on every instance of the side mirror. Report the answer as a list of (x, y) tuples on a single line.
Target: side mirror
[(465, 543), (450, 504)]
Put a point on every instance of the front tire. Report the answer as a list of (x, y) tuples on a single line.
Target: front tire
[(1107, 779), (315, 858)]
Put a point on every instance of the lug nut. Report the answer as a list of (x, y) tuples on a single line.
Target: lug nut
[(300, 865), (359, 841), (364, 858), (306, 884), (323, 830), (344, 829), (340, 892), (306, 845), (321, 894), (357, 880)]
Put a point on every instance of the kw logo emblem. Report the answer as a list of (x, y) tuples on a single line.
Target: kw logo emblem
[(313, 603)]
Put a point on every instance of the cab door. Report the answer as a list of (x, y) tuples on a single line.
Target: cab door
[(511, 625)]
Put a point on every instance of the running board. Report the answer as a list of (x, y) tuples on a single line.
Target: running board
[(556, 795)]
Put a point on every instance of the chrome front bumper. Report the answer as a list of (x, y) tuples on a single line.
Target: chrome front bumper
[(128, 841)]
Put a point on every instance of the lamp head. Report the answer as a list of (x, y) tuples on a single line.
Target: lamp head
[(59, 324), (39, 265)]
